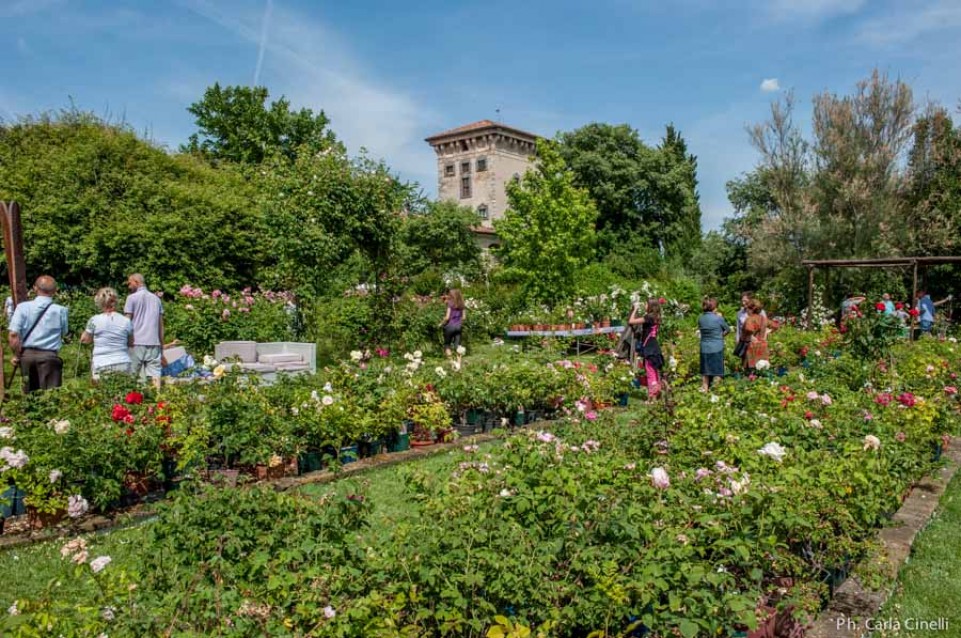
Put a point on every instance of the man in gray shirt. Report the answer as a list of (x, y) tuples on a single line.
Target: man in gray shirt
[(145, 310)]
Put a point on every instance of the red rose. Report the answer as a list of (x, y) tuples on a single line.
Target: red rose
[(129, 420), (119, 412), (808, 415), (879, 307), (899, 306), (662, 301), (134, 398), (913, 312)]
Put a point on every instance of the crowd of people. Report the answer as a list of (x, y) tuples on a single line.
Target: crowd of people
[(128, 343), (132, 342), (924, 310), (751, 330)]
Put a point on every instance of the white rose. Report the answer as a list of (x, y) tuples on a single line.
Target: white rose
[(99, 563), (773, 450)]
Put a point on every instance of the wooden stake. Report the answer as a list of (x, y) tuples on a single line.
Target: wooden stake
[(16, 267)]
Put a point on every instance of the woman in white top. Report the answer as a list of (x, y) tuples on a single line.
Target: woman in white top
[(111, 334)]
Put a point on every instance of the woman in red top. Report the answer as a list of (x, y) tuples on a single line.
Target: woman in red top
[(755, 333)]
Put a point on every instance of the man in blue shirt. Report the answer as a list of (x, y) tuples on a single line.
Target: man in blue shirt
[(36, 335), (888, 304), (927, 308)]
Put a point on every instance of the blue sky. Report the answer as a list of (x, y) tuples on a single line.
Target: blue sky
[(389, 74)]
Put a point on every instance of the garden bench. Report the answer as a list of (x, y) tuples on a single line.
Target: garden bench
[(269, 359)]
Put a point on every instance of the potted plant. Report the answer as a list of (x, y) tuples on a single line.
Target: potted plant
[(430, 417)]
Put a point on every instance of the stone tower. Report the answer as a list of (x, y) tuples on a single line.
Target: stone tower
[(475, 162)]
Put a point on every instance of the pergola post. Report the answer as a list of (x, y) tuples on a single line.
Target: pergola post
[(16, 268), (914, 294), (810, 317)]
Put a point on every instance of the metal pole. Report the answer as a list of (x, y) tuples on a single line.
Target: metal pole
[(914, 294), (810, 317)]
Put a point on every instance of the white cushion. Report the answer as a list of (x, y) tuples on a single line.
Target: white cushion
[(291, 357), (258, 367), (246, 351), (292, 367), (174, 354)]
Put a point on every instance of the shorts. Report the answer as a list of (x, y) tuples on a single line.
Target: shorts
[(113, 368), (145, 361), (926, 325)]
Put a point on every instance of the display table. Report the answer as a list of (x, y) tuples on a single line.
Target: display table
[(579, 345)]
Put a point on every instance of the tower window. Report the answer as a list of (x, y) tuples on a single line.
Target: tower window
[(481, 164), (482, 211), (465, 187), (465, 168), (449, 170)]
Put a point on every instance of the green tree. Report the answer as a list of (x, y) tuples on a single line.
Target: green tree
[(323, 209), (236, 125), (678, 213), (441, 239), (641, 192), (934, 189), (548, 231)]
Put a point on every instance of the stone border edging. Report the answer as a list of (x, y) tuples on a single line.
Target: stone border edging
[(381, 461), (852, 602)]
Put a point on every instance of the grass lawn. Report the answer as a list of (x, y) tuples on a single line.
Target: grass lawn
[(929, 586), (29, 570)]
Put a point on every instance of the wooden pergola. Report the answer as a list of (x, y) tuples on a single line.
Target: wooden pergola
[(892, 262)]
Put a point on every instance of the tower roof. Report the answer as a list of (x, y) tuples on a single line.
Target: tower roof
[(476, 127)]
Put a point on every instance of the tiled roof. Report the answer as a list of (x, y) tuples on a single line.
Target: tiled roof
[(479, 126), (483, 230)]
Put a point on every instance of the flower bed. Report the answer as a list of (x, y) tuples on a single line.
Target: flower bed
[(106, 446), (702, 522)]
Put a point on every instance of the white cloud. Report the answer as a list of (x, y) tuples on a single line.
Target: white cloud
[(314, 68), (19, 8), (812, 9), (909, 24), (770, 85)]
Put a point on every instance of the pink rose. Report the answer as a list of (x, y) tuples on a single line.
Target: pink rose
[(660, 479)]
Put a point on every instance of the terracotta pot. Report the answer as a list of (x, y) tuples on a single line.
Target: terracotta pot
[(137, 483), (39, 520), (420, 443), (605, 323)]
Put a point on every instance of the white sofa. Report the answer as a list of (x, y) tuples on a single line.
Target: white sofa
[(269, 359)]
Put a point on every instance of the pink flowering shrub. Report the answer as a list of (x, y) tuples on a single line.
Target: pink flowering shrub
[(201, 319)]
